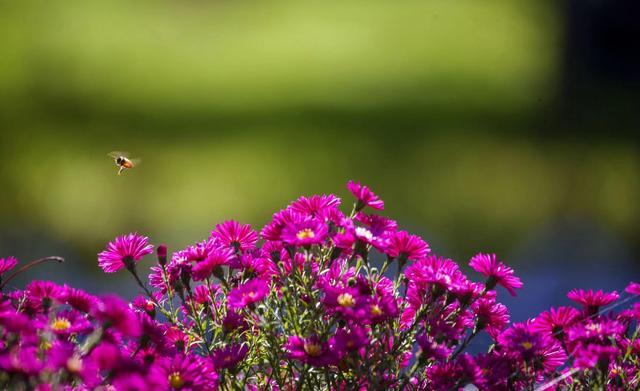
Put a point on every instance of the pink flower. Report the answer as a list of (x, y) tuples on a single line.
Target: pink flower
[(190, 372), (123, 251), (305, 233), (248, 293), (229, 356), (365, 196), (7, 264), (217, 258), (592, 300), (235, 235), (316, 205), (405, 246), (633, 288), (556, 321), (310, 350), (114, 312), (496, 272)]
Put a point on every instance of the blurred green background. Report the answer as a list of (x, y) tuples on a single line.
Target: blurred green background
[(483, 125)]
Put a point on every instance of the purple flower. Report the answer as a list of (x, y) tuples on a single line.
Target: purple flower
[(305, 233), (633, 288), (346, 301), (496, 272), (237, 236), (78, 299), (216, 258), (42, 294), (316, 205), (7, 264), (351, 339), (491, 315), (229, 356), (248, 293), (524, 344), (592, 300), (405, 246), (431, 349), (69, 322), (364, 196), (123, 251), (190, 372), (273, 230), (311, 351), (114, 312), (556, 321), (378, 225), (590, 356)]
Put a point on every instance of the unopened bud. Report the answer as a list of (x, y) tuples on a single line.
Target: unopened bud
[(162, 254)]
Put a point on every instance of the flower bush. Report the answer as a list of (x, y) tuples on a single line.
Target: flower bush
[(301, 306)]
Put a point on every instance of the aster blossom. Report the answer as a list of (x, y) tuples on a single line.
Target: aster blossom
[(364, 196), (314, 305), (238, 236), (7, 264), (123, 251), (496, 272)]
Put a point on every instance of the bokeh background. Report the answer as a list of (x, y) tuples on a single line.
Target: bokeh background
[(504, 125)]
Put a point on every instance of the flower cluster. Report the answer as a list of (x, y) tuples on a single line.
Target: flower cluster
[(318, 299)]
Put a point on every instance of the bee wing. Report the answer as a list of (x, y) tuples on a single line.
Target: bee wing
[(135, 161), (115, 154)]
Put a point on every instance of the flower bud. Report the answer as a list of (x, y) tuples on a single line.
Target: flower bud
[(161, 251)]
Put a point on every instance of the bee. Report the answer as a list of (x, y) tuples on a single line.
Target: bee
[(123, 161)]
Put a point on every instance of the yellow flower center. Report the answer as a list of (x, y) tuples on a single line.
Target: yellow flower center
[(376, 310), (175, 380), (346, 300), (60, 324), (527, 345), (312, 349), (250, 294), (306, 233)]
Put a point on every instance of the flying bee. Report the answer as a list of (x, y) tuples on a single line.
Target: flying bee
[(123, 161)]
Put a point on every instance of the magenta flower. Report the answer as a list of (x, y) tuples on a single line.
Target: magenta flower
[(591, 356), (351, 339), (248, 293), (190, 372), (305, 233), (114, 312), (123, 251), (197, 252), (405, 246), (496, 272), (633, 288), (556, 321), (378, 225), (7, 264), (491, 315), (273, 230), (229, 356), (431, 349), (217, 258), (42, 294), (364, 196), (239, 237), (526, 345), (316, 205), (592, 300), (77, 299), (311, 351)]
